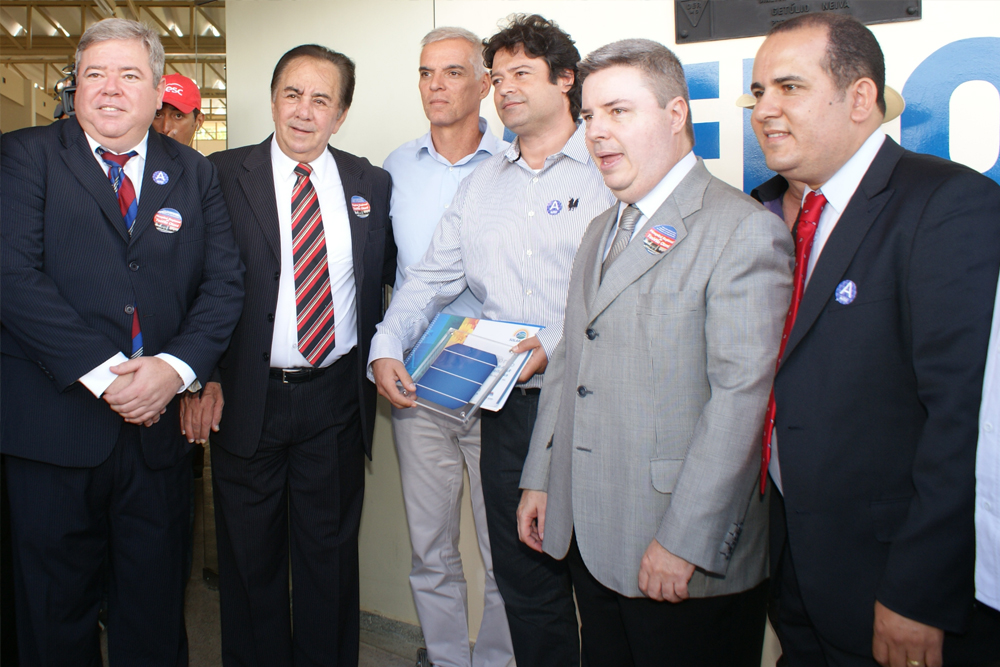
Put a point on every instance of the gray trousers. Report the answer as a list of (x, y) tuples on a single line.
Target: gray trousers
[(433, 454)]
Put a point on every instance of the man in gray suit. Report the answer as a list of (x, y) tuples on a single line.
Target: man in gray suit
[(644, 459)]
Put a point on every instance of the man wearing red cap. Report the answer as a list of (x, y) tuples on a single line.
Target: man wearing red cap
[(180, 117)]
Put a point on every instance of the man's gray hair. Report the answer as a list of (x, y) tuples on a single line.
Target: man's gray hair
[(451, 32), (659, 65), (124, 29)]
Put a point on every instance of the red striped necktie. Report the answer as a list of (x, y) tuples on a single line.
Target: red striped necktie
[(129, 207), (313, 296), (805, 232)]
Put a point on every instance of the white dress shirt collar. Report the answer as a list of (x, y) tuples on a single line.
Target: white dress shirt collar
[(842, 185), (285, 166), (139, 148), (654, 199)]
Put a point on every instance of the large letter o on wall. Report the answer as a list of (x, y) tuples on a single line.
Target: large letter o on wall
[(924, 126)]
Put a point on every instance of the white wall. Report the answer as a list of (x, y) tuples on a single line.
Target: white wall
[(382, 36)]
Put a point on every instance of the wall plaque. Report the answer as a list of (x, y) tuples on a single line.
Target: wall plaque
[(705, 20)]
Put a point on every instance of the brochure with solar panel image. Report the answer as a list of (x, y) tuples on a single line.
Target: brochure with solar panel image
[(463, 364)]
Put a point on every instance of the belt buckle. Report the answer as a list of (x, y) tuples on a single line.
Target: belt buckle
[(284, 376)]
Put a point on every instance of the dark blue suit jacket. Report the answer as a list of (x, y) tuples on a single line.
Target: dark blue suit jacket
[(70, 269), (248, 185), (878, 399)]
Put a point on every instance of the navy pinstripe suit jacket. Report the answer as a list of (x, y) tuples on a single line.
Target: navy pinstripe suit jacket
[(70, 269), (248, 186)]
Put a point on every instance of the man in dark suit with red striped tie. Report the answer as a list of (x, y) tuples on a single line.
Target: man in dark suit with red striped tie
[(116, 244), (313, 228)]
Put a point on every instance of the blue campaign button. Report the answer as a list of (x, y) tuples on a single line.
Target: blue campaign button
[(846, 292)]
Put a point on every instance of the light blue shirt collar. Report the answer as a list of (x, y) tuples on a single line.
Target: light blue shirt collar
[(488, 144)]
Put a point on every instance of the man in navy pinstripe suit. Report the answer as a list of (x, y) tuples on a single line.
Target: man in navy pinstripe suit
[(116, 242), (313, 228)]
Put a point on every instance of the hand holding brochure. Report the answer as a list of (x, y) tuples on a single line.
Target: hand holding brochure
[(461, 364)]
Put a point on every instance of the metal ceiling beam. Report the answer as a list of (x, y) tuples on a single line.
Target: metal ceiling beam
[(212, 22), (57, 46), (139, 3), (55, 24)]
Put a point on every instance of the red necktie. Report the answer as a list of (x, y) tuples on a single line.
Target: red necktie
[(805, 232), (128, 206), (313, 296)]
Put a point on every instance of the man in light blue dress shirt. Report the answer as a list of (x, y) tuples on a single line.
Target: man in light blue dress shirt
[(510, 235), (425, 175)]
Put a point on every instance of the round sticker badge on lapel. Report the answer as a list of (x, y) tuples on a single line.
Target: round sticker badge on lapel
[(660, 239), (846, 292), (167, 220), (553, 207), (160, 177), (361, 207)]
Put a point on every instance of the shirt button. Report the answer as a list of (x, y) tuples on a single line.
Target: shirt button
[(988, 427), (530, 213), (129, 309), (529, 253), (986, 505), (534, 180), (451, 169)]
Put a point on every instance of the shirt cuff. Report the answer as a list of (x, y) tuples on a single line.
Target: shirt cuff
[(187, 375), (99, 379), (384, 346), (549, 338)]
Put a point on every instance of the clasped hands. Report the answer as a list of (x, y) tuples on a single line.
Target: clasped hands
[(662, 575), (142, 390)]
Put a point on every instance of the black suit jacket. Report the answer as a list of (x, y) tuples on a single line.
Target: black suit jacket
[(70, 269), (248, 187), (878, 399)]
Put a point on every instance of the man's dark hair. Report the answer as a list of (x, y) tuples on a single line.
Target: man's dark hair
[(540, 38), (852, 52), (343, 63)]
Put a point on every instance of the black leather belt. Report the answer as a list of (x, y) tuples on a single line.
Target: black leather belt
[(296, 375), (528, 391)]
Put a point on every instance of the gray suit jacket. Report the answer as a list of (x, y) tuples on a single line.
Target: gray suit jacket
[(650, 420)]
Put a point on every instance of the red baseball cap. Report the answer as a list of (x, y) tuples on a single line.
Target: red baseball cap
[(182, 93)]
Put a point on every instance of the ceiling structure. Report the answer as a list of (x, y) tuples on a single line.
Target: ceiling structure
[(39, 37)]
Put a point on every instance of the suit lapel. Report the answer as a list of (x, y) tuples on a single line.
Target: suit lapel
[(592, 269), (160, 156), (353, 181), (258, 187), (838, 252), (636, 260), (76, 154)]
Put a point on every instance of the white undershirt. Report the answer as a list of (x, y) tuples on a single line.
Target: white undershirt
[(838, 192), (340, 260), (100, 378)]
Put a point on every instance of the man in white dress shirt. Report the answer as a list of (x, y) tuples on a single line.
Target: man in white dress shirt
[(312, 224), (425, 175)]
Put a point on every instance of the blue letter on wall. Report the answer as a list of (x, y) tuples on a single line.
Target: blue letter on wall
[(925, 123)]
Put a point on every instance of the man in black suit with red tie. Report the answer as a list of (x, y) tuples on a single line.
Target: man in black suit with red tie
[(116, 244), (871, 438), (313, 228)]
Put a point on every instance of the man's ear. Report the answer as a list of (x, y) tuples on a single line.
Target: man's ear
[(566, 79), (863, 96)]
